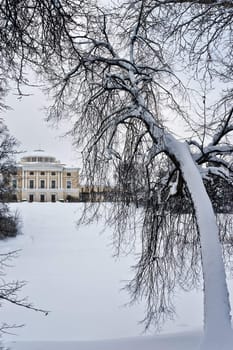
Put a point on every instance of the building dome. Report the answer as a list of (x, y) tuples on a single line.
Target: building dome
[(38, 156)]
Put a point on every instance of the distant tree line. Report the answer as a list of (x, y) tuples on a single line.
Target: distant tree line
[(131, 187), (9, 222)]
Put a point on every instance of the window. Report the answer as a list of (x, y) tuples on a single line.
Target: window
[(31, 184), (33, 159), (31, 198), (53, 184), (68, 184), (53, 198), (53, 173), (40, 159), (68, 174), (14, 183), (42, 197), (42, 173), (31, 173), (42, 183)]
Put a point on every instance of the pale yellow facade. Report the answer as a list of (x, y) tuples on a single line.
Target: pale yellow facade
[(41, 178)]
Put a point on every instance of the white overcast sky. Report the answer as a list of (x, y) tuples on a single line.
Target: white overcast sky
[(26, 121)]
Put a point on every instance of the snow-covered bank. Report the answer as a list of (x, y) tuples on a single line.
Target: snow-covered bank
[(183, 341)]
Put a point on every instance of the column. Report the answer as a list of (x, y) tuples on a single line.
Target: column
[(61, 181), (25, 180), (23, 184), (47, 180), (37, 180)]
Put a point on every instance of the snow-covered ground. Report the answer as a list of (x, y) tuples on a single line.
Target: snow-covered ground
[(183, 341), (72, 273)]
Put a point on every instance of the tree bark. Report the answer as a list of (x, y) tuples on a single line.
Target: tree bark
[(217, 312)]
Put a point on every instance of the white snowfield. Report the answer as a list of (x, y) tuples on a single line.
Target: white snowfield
[(71, 273), (185, 341)]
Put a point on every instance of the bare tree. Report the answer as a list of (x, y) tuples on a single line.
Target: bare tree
[(10, 293), (24, 29), (121, 91), (33, 34), (113, 72), (9, 227)]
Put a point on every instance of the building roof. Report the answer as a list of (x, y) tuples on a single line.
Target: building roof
[(38, 156), (38, 159)]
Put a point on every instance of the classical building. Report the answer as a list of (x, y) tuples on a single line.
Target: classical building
[(42, 178)]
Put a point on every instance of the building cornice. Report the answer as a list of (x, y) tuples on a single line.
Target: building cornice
[(41, 167)]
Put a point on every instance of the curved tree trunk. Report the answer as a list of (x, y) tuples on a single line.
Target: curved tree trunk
[(218, 334)]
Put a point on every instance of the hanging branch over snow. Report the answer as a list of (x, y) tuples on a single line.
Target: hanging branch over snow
[(120, 92), (113, 73)]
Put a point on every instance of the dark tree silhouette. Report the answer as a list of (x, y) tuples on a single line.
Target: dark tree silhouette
[(116, 73)]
